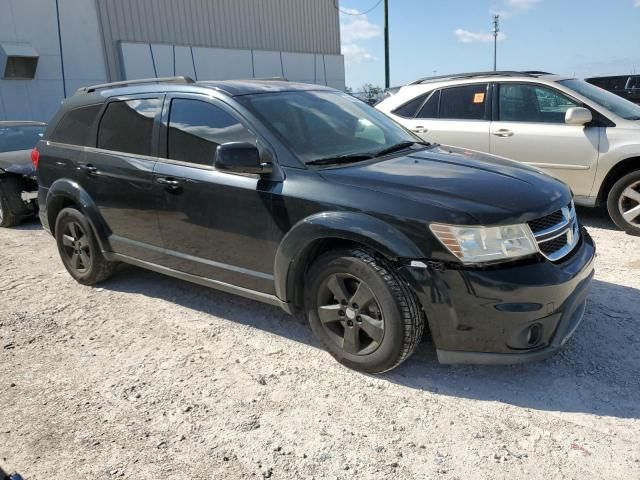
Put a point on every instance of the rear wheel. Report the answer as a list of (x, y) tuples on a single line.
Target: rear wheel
[(623, 203), (362, 312), (79, 249)]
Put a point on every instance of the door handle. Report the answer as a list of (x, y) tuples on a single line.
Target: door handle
[(503, 132), (169, 183), (90, 169), (420, 129)]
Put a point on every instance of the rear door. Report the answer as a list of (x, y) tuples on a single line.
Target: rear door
[(529, 127), (118, 174), (457, 116), (213, 224)]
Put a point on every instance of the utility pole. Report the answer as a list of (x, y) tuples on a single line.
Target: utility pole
[(496, 30), (386, 43)]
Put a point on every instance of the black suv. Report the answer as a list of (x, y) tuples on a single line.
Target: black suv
[(625, 86), (303, 197)]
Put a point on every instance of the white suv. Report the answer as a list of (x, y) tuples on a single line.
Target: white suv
[(577, 132)]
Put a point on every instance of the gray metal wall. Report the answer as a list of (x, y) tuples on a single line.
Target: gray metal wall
[(308, 26), (35, 22), (108, 40)]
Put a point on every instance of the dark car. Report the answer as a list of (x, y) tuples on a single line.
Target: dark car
[(18, 186), (626, 86), (303, 197)]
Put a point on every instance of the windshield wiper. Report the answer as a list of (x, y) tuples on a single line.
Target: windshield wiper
[(397, 147), (347, 158)]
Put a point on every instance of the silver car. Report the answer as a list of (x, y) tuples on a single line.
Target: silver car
[(575, 131)]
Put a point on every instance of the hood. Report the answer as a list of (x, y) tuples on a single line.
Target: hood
[(18, 162), (489, 189)]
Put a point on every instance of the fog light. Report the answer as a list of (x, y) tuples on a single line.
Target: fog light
[(534, 335)]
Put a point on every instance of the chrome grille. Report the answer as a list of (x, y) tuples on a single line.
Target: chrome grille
[(557, 234)]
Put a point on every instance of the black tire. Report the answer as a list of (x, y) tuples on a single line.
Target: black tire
[(376, 336), (79, 249), (619, 201), (10, 201)]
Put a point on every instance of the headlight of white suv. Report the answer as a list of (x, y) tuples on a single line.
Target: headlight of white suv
[(486, 244)]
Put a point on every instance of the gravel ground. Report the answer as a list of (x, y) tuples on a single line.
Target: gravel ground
[(151, 377)]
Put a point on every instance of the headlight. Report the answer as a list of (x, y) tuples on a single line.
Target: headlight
[(486, 244)]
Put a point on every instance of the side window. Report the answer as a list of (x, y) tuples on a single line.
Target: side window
[(408, 110), (127, 126), (196, 129), (430, 109), (532, 103), (466, 102), (75, 126)]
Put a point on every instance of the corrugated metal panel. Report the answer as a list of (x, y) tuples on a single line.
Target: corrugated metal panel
[(309, 26)]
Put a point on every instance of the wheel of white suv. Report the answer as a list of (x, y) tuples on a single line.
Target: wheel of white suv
[(366, 317), (623, 203)]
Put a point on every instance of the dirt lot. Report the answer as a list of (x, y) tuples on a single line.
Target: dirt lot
[(150, 377)]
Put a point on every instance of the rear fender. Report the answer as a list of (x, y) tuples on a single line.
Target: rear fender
[(64, 190)]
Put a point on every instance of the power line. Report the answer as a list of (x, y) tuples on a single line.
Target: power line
[(335, 4)]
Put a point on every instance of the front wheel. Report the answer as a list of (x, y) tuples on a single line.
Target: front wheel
[(366, 317), (623, 203)]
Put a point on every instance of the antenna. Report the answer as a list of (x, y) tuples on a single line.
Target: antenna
[(496, 30)]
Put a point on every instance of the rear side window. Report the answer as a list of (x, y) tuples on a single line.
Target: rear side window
[(75, 126), (127, 126), (408, 110), (466, 102), (196, 129), (430, 108)]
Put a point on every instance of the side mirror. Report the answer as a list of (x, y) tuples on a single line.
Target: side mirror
[(240, 157), (578, 116)]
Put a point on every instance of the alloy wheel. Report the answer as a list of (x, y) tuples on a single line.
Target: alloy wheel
[(629, 204), (350, 314), (76, 248)]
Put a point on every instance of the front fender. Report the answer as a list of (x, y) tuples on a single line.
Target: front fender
[(357, 227), (64, 190)]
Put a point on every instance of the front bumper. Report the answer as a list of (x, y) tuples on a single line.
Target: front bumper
[(505, 314)]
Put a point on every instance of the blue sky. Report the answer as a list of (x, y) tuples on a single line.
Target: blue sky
[(573, 37)]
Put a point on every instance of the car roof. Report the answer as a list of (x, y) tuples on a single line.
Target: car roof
[(21, 123), (186, 84)]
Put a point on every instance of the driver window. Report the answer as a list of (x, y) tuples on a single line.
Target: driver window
[(532, 103), (196, 129)]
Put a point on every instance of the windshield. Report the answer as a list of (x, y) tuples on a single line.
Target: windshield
[(319, 125), (23, 137), (618, 105)]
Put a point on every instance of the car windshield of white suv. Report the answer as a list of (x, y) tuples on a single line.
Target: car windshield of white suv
[(618, 105), (324, 128)]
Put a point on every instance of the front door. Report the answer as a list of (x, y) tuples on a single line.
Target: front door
[(530, 128), (118, 175), (213, 224)]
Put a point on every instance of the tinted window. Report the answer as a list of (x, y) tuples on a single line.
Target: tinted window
[(19, 137), (532, 103), (127, 126), (408, 110), (197, 128), (75, 126), (430, 109), (634, 82), (465, 103)]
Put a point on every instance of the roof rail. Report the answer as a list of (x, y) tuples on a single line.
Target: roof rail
[(504, 73), (142, 81)]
